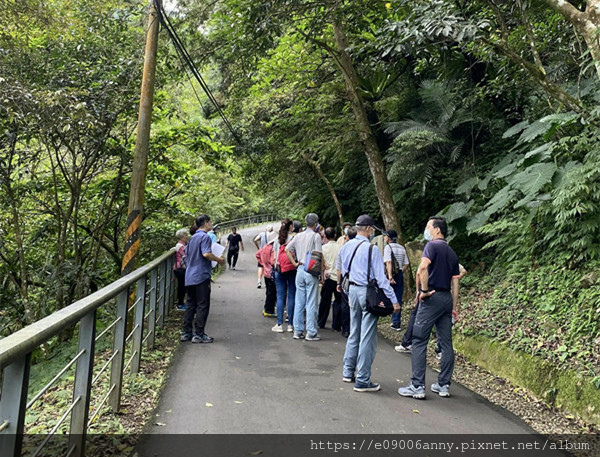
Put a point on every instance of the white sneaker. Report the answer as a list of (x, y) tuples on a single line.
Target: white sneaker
[(290, 328), (404, 349), (277, 328)]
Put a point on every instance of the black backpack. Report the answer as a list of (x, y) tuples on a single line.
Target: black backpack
[(395, 265)]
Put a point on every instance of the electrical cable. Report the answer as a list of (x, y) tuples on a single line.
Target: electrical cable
[(186, 58)]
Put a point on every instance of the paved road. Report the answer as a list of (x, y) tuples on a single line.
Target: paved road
[(251, 380)]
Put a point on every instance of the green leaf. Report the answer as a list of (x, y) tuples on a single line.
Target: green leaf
[(515, 129)]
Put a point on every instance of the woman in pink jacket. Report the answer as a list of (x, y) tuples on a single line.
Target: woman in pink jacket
[(266, 257)]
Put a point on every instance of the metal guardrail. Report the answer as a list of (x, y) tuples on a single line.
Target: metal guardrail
[(16, 350), (245, 221)]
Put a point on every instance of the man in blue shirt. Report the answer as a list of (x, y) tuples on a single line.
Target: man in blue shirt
[(362, 342), (437, 291), (197, 279)]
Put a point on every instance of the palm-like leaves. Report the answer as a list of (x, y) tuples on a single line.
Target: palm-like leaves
[(428, 138)]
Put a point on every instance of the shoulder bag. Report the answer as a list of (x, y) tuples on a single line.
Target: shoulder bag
[(377, 301), (314, 260)]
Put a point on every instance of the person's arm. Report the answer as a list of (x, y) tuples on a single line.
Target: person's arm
[(256, 242), (377, 270), (423, 279), (388, 271), (226, 244), (242, 244), (214, 258), (207, 251), (455, 281)]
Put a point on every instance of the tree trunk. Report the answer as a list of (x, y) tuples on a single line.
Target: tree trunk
[(585, 23), (365, 133), (324, 178)]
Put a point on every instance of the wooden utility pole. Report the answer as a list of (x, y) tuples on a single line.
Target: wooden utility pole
[(135, 211)]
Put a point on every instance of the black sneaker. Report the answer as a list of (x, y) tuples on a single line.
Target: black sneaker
[(345, 334), (395, 327), (204, 338), (185, 337), (369, 387)]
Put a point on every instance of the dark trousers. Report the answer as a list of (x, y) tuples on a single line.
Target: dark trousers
[(180, 275), (232, 256), (329, 289), (271, 295), (198, 306), (398, 291), (435, 310), (345, 312)]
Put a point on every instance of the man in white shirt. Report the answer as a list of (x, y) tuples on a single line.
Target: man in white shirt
[(307, 285), (396, 264)]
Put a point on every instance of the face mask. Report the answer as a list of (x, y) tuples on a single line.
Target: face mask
[(427, 235), (372, 236), (346, 231)]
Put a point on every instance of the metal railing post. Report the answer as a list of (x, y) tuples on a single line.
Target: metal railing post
[(116, 370), (169, 285), (161, 294), (12, 405), (83, 384), (152, 304), (138, 325)]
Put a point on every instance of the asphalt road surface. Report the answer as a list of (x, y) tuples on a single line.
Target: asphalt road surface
[(254, 381)]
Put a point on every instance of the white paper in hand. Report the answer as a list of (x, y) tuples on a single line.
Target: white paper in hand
[(217, 250)]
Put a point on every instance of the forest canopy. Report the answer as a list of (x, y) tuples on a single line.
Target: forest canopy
[(484, 111)]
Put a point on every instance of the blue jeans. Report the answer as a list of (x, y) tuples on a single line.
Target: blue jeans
[(362, 342), (399, 291), (285, 282), (307, 289)]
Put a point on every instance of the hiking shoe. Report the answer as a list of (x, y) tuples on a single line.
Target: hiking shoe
[(349, 379), (314, 337), (442, 391), (404, 349), (298, 335), (290, 328), (265, 314), (369, 387), (412, 391), (181, 308), (345, 334), (277, 328), (204, 338), (395, 327), (258, 285), (185, 337)]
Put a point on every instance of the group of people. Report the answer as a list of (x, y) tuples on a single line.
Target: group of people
[(294, 262)]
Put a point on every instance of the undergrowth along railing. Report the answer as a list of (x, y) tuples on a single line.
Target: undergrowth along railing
[(154, 297), (222, 227)]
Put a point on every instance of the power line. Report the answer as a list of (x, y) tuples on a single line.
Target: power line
[(187, 60)]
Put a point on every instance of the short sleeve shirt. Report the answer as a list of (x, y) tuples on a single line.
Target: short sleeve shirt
[(303, 243), (198, 267), (399, 253), (443, 266), (234, 241)]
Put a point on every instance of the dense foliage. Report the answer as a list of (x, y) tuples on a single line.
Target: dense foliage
[(484, 111), (69, 89)]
